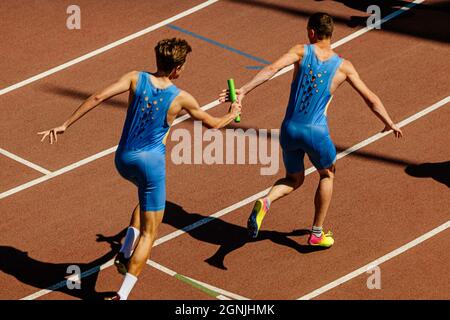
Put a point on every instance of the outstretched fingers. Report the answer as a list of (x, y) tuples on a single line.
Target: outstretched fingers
[(44, 134)]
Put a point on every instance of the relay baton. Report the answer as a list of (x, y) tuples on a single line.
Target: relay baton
[(232, 90)]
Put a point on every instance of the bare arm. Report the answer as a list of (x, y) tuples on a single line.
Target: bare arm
[(118, 87), (295, 54), (191, 105), (122, 85), (371, 99)]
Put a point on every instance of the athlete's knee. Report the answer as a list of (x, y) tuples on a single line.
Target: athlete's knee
[(328, 172)]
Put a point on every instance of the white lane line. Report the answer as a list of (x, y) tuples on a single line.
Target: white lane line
[(250, 199), (242, 202), (378, 23), (401, 124), (205, 107), (63, 283), (376, 262), (360, 32), (24, 162), (310, 170), (56, 173), (172, 273), (107, 47)]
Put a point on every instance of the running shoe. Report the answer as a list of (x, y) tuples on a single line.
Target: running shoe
[(256, 217), (325, 240), (114, 297), (121, 263)]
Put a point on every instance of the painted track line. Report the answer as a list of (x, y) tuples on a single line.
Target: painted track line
[(360, 32), (107, 47), (205, 107), (63, 283), (376, 262), (254, 197), (24, 162), (205, 287), (218, 44), (310, 170), (56, 173)]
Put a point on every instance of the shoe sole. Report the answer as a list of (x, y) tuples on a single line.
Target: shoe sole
[(252, 225), (321, 245), (121, 268)]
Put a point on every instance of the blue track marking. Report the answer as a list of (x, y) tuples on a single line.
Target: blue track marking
[(218, 44), (254, 67)]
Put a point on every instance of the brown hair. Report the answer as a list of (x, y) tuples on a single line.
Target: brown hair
[(171, 53), (322, 24)]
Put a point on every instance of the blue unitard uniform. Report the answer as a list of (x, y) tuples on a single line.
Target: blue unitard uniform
[(140, 157), (305, 127)]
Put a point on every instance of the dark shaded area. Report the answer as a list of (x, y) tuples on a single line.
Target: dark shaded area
[(434, 16), (229, 237), (440, 171), (81, 95), (42, 275)]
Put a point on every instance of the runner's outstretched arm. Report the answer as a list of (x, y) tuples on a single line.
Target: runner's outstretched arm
[(295, 54), (191, 105), (122, 85), (372, 100)]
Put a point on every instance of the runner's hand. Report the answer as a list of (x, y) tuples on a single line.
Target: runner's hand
[(396, 130), (236, 109), (225, 96), (52, 133)]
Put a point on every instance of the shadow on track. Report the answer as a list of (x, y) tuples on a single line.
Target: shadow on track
[(440, 171), (426, 20), (81, 95), (229, 237), (43, 275)]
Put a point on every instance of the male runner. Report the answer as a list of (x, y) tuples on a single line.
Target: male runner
[(318, 72), (154, 103)]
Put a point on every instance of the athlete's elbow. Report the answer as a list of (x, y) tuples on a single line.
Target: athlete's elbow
[(272, 69), (98, 98), (211, 124), (215, 126)]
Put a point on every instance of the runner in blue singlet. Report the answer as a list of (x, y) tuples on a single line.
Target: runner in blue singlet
[(318, 72), (155, 102)]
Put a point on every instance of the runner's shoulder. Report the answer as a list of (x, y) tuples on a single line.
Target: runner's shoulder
[(298, 49), (184, 95), (185, 99), (347, 67), (132, 77)]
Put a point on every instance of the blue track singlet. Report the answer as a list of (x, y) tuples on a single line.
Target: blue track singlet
[(140, 157), (305, 127)]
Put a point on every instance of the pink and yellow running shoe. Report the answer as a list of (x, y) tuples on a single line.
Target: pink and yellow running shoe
[(254, 222), (325, 240)]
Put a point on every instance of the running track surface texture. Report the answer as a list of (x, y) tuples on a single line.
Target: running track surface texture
[(65, 204)]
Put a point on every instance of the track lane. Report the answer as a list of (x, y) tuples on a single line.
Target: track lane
[(200, 203), (42, 27)]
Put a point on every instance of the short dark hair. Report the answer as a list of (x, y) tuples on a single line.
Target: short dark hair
[(171, 53), (322, 23)]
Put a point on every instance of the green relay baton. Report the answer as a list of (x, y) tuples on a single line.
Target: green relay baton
[(233, 97)]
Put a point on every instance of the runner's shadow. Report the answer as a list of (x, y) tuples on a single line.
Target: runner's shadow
[(431, 18), (80, 95), (426, 20), (43, 275), (438, 171), (229, 237)]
